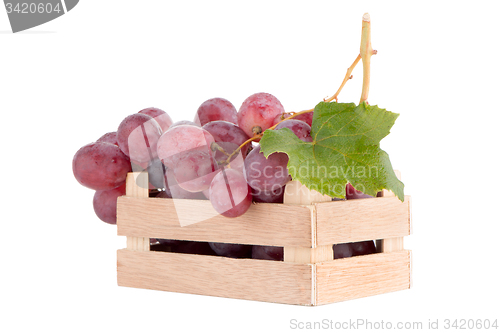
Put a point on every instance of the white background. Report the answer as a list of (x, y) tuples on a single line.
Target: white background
[(65, 83)]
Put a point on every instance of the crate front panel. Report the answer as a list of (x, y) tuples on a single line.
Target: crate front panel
[(262, 224), (249, 279), (362, 219), (356, 277)]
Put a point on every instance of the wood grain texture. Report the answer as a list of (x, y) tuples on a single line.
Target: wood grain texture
[(308, 255), (138, 243), (356, 277), (258, 280), (362, 219), (137, 186), (298, 194), (390, 244), (262, 224)]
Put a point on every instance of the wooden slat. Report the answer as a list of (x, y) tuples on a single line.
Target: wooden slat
[(137, 186), (262, 224), (362, 219), (390, 244), (350, 278), (259, 280), (308, 255), (298, 194)]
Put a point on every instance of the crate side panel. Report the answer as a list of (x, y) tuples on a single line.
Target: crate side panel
[(362, 219), (357, 277), (258, 280), (262, 224)]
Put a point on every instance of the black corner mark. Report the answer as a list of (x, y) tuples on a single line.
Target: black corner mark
[(26, 14)]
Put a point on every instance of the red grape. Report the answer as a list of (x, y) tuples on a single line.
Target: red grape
[(138, 136), (342, 251), (228, 136), (184, 122), (161, 117), (267, 252), (231, 250), (101, 166), (275, 196), (109, 138), (230, 194), (177, 192), (216, 109), (258, 112), (164, 195), (266, 174), (347, 250), (305, 117), (192, 247), (169, 242), (363, 248), (351, 193), (105, 203), (298, 127), (194, 170), (183, 138)]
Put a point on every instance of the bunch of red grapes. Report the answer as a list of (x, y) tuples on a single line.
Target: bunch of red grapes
[(211, 158)]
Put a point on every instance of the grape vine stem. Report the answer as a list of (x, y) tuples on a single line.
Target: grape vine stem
[(347, 77), (366, 51)]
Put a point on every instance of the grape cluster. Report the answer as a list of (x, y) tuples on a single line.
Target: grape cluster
[(211, 158)]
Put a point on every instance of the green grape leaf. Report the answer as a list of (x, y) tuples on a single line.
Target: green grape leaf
[(345, 148)]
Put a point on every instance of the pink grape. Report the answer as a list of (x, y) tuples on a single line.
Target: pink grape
[(351, 193), (231, 250), (301, 129), (258, 112), (161, 117), (229, 137), (184, 122), (101, 166), (109, 138), (138, 136), (266, 174), (305, 117), (216, 109), (177, 192), (105, 203), (230, 194), (273, 196), (267, 252), (195, 169), (179, 139)]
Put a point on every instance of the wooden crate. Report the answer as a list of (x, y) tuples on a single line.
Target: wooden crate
[(305, 226)]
